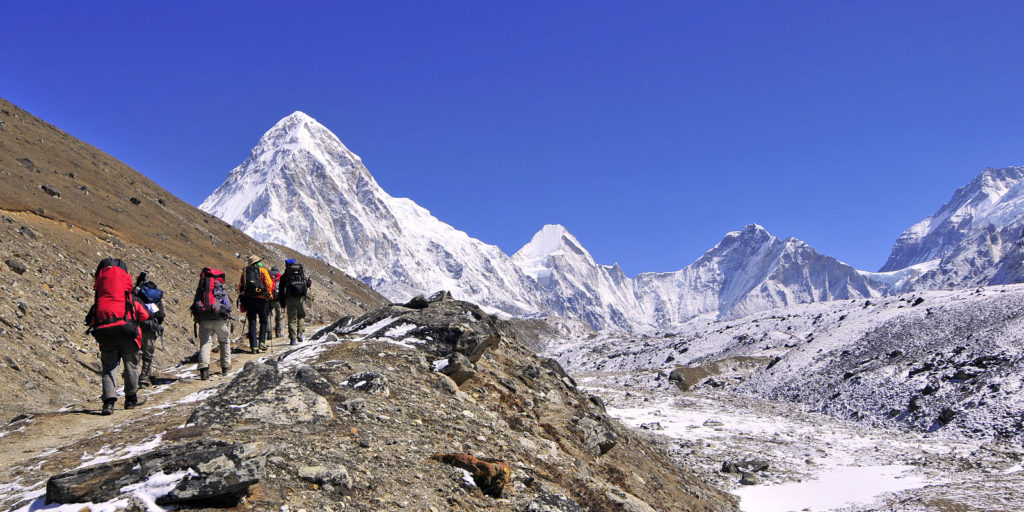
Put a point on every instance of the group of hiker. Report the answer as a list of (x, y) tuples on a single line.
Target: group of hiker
[(127, 317)]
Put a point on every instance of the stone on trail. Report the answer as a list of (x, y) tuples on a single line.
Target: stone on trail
[(212, 472), (262, 394)]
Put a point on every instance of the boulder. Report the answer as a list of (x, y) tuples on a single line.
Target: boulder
[(749, 479), (16, 265), (439, 328), (309, 377), (459, 369), (370, 382), (598, 435), (208, 471), (336, 476), (417, 302), (260, 393), (744, 466)]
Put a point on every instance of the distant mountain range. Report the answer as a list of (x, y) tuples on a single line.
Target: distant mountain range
[(302, 188)]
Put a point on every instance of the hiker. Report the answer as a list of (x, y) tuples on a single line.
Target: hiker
[(294, 287), (151, 297), (255, 289), (211, 310), (114, 321), (275, 304)]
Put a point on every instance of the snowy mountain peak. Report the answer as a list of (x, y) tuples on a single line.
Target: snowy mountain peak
[(553, 240), (995, 196)]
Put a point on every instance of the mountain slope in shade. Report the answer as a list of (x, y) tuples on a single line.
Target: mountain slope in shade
[(995, 197), (303, 188)]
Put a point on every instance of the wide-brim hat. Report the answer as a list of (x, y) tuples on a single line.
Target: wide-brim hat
[(254, 259)]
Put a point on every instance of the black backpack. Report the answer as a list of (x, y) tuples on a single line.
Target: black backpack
[(253, 286), (294, 280)]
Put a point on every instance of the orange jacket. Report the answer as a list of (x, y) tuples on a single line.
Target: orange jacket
[(265, 279)]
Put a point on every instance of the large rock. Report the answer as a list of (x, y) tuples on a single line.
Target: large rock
[(208, 471), (553, 503), (262, 394), (438, 328), (458, 368), (598, 434)]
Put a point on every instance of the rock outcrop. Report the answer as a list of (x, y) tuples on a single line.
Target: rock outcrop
[(516, 435)]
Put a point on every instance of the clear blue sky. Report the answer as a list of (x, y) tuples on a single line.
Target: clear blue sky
[(648, 128)]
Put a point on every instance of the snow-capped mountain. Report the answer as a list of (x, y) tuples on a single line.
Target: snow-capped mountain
[(974, 239), (749, 271), (573, 285), (301, 187), (995, 197)]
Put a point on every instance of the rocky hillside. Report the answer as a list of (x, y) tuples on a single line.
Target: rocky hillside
[(64, 206), (946, 362), (430, 406)]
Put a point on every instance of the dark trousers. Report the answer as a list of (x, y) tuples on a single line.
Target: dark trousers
[(256, 308), (111, 355)]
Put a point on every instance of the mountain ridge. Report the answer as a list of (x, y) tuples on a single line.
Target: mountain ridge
[(396, 246)]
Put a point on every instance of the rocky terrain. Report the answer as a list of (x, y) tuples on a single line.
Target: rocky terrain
[(949, 362), (64, 206), (429, 405), (780, 457)]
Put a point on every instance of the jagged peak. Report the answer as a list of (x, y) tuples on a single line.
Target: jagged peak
[(751, 231), (550, 239)]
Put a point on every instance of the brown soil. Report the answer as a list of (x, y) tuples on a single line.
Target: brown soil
[(46, 359)]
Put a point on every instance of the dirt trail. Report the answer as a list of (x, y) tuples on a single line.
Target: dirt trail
[(47, 432)]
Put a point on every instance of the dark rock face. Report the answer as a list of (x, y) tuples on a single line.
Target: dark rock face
[(268, 396), (211, 472), (438, 328), (309, 377)]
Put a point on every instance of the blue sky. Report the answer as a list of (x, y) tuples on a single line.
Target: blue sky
[(648, 128)]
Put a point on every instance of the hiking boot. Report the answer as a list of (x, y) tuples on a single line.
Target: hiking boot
[(263, 348), (225, 369), (204, 374), (291, 341), (300, 339), (132, 401), (108, 407)]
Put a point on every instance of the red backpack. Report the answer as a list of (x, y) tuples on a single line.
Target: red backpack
[(211, 301), (112, 316)]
